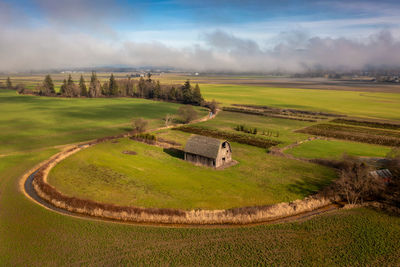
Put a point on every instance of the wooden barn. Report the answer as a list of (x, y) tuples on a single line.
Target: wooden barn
[(208, 151)]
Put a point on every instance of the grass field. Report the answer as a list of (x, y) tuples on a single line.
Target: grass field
[(30, 122), (363, 104), (153, 178), (33, 236), (335, 149)]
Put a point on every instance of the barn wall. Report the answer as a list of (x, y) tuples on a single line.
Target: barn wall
[(224, 153), (199, 160)]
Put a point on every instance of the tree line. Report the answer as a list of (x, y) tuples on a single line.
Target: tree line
[(127, 87)]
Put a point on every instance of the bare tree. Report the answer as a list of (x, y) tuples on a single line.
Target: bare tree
[(187, 113), (355, 183), (213, 106), (168, 119), (139, 125)]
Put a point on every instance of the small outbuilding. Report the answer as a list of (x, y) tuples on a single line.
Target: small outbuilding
[(207, 151)]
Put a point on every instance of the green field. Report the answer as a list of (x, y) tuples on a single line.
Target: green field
[(335, 149), (33, 236), (31, 122), (363, 104), (154, 178)]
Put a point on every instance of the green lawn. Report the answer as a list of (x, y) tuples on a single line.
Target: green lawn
[(363, 104), (153, 178), (31, 122), (335, 149)]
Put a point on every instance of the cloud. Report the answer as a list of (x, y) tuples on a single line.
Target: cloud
[(47, 48)]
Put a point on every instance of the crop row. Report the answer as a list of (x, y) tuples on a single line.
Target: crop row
[(239, 138), (371, 124), (358, 134), (289, 110), (267, 114)]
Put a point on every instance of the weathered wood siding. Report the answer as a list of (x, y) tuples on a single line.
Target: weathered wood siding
[(224, 157), (224, 154), (199, 160)]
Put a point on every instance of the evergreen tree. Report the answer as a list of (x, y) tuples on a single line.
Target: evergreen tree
[(82, 86), (197, 98), (148, 77), (105, 89), (141, 87), (63, 88), (157, 90), (94, 87), (93, 78), (187, 93), (113, 86), (8, 83), (48, 85), (70, 81), (172, 93)]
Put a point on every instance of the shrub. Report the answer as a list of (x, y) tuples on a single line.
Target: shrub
[(145, 137)]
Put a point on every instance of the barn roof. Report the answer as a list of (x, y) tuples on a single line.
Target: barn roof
[(204, 146), (385, 174)]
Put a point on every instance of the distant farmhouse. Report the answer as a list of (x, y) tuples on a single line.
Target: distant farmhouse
[(208, 151)]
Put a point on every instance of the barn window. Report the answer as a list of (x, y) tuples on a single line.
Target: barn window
[(223, 159), (223, 144)]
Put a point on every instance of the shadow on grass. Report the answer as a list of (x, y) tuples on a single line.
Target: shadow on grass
[(308, 186), (174, 152)]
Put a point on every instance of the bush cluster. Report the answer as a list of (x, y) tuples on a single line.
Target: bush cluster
[(245, 129), (145, 137)]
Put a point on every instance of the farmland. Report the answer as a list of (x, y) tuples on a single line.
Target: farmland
[(31, 127), (353, 133), (366, 104), (334, 149)]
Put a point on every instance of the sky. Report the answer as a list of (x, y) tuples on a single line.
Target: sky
[(209, 35)]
